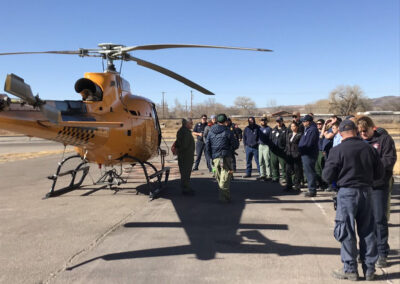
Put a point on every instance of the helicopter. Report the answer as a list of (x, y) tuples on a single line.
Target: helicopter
[(109, 126)]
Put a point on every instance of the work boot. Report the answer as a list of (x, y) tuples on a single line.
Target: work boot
[(340, 274), (382, 262), (369, 276)]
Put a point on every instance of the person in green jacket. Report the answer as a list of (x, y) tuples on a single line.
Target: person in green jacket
[(185, 147)]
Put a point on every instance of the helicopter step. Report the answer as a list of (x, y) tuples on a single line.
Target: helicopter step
[(82, 167)]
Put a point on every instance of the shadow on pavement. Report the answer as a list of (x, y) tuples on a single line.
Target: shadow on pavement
[(215, 228)]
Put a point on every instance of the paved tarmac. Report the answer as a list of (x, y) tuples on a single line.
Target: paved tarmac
[(265, 235)]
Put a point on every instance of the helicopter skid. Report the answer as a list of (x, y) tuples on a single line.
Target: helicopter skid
[(82, 167), (158, 174)]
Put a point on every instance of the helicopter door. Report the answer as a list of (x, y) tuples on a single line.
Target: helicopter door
[(156, 123)]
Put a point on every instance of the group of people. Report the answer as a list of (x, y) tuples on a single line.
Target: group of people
[(352, 157)]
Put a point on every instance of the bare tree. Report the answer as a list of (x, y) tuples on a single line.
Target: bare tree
[(245, 105), (345, 100)]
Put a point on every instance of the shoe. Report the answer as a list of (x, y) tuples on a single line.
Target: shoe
[(340, 274), (188, 192), (382, 262), (288, 188), (296, 187), (267, 179), (310, 194), (275, 180), (246, 176), (261, 178), (369, 276), (195, 169)]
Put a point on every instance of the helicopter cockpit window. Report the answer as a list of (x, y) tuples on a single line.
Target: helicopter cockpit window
[(89, 90)]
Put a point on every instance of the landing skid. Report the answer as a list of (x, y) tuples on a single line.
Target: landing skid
[(153, 192), (111, 178), (82, 167)]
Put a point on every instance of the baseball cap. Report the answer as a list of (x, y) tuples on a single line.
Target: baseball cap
[(221, 118), (213, 116), (279, 118), (307, 118), (347, 125)]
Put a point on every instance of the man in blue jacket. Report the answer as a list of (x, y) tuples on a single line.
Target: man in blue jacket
[(221, 144), (308, 148), (250, 141), (354, 165)]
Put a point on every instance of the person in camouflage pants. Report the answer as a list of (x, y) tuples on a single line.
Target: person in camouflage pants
[(221, 145)]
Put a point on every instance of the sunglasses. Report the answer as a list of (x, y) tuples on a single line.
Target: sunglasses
[(319, 123), (294, 116)]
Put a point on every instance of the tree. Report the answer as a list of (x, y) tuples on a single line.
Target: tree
[(345, 100), (245, 105)]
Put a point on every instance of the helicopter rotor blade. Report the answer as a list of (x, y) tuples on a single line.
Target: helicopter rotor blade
[(80, 52), (167, 72), (164, 46)]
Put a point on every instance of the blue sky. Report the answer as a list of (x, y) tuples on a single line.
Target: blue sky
[(317, 45)]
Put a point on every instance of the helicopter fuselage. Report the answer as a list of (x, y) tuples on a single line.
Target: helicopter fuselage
[(104, 131)]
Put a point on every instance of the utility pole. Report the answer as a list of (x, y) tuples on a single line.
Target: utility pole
[(163, 105), (191, 103)]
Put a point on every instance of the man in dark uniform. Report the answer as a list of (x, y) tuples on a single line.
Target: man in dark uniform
[(250, 141), (185, 147), (231, 127), (277, 153), (354, 165), (308, 147), (385, 146), (198, 131)]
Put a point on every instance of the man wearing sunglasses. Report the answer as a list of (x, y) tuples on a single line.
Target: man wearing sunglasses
[(296, 118), (198, 131), (385, 146)]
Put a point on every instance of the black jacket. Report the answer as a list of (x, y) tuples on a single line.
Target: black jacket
[(292, 147), (278, 139), (221, 142), (353, 163), (386, 148)]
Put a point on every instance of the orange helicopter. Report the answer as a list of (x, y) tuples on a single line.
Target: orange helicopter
[(109, 126)]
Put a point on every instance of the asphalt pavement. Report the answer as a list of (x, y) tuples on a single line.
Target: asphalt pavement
[(266, 235)]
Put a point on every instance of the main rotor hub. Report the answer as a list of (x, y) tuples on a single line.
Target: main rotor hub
[(110, 46)]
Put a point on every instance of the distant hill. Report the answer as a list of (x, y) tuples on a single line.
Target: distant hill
[(386, 103)]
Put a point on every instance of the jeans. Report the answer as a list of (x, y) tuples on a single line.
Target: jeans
[(250, 153), (309, 170), (379, 207), (354, 207)]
